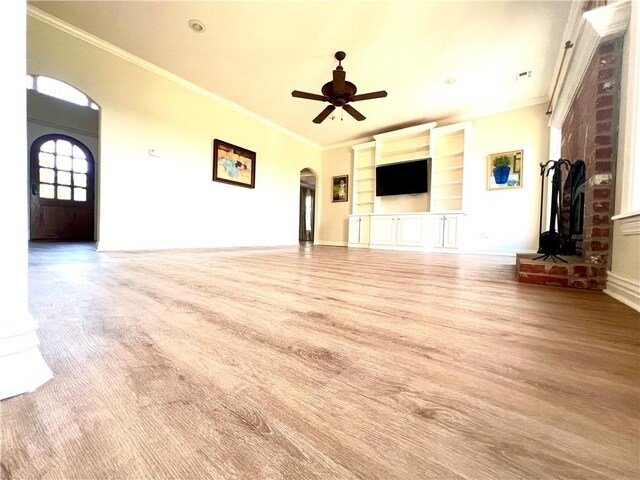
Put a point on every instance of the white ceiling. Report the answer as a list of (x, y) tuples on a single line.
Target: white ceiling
[(254, 53)]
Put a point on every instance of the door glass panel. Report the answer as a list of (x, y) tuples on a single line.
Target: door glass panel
[(47, 191), (48, 146), (64, 193), (79, 165), (79, 194), (47, 175), (46, 159), (80, 180), (78, 153), (63, 147), (63, 163), (64, 178)]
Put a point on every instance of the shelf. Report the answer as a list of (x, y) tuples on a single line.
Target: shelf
[(364, 191), (448, 169), (365, 168), (454, 197), (448, 155), (365, 179), (364, 203), (442, 184), (417, 149)]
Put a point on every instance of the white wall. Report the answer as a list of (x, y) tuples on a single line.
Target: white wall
[(171, 201), (505, 221)]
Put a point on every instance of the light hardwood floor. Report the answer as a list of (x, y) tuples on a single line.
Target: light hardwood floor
[(320, 362)]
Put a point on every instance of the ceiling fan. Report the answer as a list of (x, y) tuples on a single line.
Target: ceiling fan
[(339, 93)]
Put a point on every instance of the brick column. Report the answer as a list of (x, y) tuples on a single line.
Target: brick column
[(590, 133)]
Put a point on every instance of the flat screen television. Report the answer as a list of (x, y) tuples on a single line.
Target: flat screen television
[(402, 178)]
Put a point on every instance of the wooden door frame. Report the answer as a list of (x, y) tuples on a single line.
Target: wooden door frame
[(33, 162)]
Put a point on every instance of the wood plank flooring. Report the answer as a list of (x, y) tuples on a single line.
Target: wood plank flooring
[(320, 363)]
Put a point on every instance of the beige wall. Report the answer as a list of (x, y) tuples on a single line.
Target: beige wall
[(170, 201), (333, 225)]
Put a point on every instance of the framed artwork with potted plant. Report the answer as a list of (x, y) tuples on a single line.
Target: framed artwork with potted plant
[(504, 170)]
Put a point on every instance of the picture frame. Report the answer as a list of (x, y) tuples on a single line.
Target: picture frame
[(340, 188), (233, 165), (499, 177)]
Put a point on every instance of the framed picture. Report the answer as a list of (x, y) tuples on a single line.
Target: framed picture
[(234, 165), (504, 170), (340, 188)]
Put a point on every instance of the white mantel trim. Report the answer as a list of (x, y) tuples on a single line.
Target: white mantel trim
[(590, 30)]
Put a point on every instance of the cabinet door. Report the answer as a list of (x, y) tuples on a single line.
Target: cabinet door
[(435, 229), (365, 228), (354, 230), (451, 227), (383, 230), (411, 232)]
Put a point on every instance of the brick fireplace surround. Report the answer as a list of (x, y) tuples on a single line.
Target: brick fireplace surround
[(589, 133)]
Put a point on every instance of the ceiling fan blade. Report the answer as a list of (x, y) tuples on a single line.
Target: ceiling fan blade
[(353, 112), (338, 82), (324, 114), (369, 96), (309, 96)]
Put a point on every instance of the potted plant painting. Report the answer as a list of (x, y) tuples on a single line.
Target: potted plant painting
[(501, 169)]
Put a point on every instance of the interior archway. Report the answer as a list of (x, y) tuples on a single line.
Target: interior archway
[(63, 143)]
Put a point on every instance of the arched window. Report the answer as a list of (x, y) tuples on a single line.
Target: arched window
[(58, 89), (64, 168)]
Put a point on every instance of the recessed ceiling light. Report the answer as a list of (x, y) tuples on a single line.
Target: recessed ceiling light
[(196, 25), (451, 80)]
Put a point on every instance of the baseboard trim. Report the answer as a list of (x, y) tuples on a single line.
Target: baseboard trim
[(330, 243), (22, 372), (624, 290)]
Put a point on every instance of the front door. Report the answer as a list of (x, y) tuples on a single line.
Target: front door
[(61, 189)]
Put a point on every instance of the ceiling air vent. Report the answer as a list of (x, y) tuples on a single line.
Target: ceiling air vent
[(522, 75)]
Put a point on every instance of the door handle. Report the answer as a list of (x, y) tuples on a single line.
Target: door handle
[(34, 189)]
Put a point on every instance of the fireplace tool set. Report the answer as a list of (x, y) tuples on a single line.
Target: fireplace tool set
[(567, 237)]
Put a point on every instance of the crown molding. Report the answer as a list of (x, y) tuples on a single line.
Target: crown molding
[(590, 30), (80, 34)]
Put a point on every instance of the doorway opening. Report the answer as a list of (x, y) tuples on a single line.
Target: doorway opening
[(62, 129), (308, 180)]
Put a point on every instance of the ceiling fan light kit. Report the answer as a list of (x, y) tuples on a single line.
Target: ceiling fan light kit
[(339, 93)]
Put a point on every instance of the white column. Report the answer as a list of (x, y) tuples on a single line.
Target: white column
[(22, 368)]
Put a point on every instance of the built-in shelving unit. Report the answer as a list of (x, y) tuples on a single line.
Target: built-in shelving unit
[(423, 221), (364, 178), (449, 145)]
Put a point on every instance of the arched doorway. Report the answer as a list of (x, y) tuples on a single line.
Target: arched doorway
[(308, 180), (62, 129)]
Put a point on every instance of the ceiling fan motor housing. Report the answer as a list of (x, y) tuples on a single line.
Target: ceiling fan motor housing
[(339, 99)]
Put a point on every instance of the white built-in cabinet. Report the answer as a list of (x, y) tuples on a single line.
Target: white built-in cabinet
[(443, 231), (359, 230), (398, 230), (431, 220)]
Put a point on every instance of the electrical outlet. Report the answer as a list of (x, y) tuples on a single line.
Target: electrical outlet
[(154, 152)]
